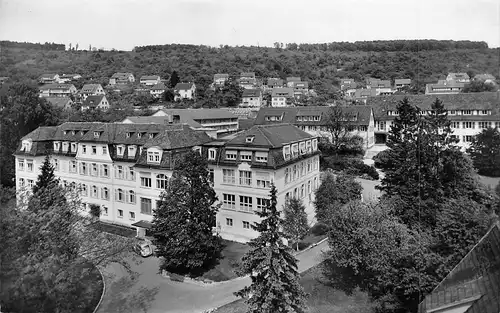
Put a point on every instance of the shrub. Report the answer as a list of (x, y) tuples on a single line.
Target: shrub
[(382, 159), (319, 229), (95, 210), (176, 277), (303, 245)]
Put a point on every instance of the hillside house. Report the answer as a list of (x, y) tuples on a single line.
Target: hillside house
[(247, 80), (49, 79), (274, 83), (95, 102), (400, 83), (281, 97), (57, 90), (149, 80), (290, 81), (251, 98), (184, 91), (3, 79), (64, 103), (347, 83), (91, 90), (121, 79), (220, 79), (487, 78), (444, 88), (157, 90), (458, 77)]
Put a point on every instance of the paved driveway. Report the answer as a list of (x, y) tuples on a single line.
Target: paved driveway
[(147, 291)]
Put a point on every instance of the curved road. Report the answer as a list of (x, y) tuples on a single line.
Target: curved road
[(147, 291)]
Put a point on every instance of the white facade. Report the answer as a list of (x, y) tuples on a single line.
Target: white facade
[(279, 101), (150, 81)]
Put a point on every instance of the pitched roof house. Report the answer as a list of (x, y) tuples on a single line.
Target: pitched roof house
[(121, 78), (251, 98), (444, 87), (57, 90), (185, 91), (280, 96), (487, 78), (95, 102), (473, 286), (458, 77), (64, 103), (49, 78), (91, 90), (274, 83), (157, 90), (220, 79), (150, 80)]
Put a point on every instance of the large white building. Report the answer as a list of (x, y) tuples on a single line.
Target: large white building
[(469, 113), (123, 168)]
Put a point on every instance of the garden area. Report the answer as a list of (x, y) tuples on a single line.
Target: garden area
[(322, 298), (114, 229), (226, 269), (90, 296)]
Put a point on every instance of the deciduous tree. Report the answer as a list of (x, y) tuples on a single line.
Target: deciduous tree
[(184, 220), (275, 283), (295, 224), (484, 151)]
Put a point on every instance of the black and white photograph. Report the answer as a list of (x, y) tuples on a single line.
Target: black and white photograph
[(237, 156)]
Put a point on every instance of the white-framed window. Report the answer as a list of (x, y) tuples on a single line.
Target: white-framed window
[(119, 150), (20, 164), (29, 165), (131, 152), (261, 157), (263, 180), (94, 191), (468, 124), (73, 147), (128, 135), (30, 183), (154, 156), (146, 206), (146, 182), (294, 172), (105, 193), (212, 153), (56, 165), (295, 193), (295, 150), (161, 181), (228, 176), (211, 175), (302, 169), (497, 124), (104, 210), (246, 178), (197, 150), (302, 148), (96, 134), (104, 170), (94, 149), (131, 196), (316, 163), (229, 201), (262, 203), (309, 187), (246, 156), (286, 153), (65, 146), (120, 213), (287, 175), (246, 225), (484, 124), (120, 195), (72, 166), (315, 144), (83, 168), (84, 149), (302, 191), (119, 172), (21, 182), (231, 155), (94, 169), (84, 190), (315, 183), (466, 112), (229, 221), (57, 145), (131, 173), (455, 125), (452, 112), (467, 138), (246, 203), (132, 216), (308, 146)]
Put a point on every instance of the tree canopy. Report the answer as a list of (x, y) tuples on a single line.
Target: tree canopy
[(484, 151)]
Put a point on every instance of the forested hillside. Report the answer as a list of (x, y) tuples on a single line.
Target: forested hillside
[(321, 64)]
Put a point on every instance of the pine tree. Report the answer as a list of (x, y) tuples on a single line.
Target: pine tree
[(174, 79), (184, 219), (272, 267), (295, 222), (46, 177)]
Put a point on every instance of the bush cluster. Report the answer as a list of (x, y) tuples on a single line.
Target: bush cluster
[(351, 166)]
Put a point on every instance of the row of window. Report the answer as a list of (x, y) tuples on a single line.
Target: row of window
[(245, 156), (262, 179), (230, 223), (161, 181), (302, 192), (21, 165), (303, 168), (381, 125), (451, 112), (92, 149), (245, 203), (361, 128), (292, 151), (26, 182)]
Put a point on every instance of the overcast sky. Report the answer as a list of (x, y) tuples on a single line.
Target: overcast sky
[(123, 24)]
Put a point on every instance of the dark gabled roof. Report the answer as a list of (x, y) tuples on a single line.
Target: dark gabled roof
[(93, 101), (247, 74), (245, 123), (269, 136), (459, 75), (183, 86), (361, 93), (56, 86), (461, 101), (475, 280), (150, 77), (90, 88), (282, 92), (251, 93), (293, 79), (200, 114), (221, 75), (178, 136), (290, 114), (49, 76), (161, 120), (159, 86), (402, 81), (60, 102), (274, 82), (120, 75), (484, 77), (42, 133)]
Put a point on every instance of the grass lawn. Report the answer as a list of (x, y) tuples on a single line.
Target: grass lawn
[(322, 299), (232, 254), (307, 241), (489, 181), (116, 229)]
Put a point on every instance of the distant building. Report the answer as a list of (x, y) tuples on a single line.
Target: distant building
[(400, 83), (157, 90), (487, 78), (49, 79), (347, 83), (473, 285), (469, 113), (444, 88), (362, 95), (66, 78), (281, 97), (218, 121), (185, 91), (57, 90), (274, 83), (458, 77), (290, 81), (95, 102), (150, 80), (91, 90), (314, 120), (247, 80), (3, 80), (121, 78), (251, 98), (64, 103), (220, 79)]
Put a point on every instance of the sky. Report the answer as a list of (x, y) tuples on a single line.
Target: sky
[(123, 24)]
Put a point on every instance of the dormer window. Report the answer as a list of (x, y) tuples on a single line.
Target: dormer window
[(65, 132), (212, 153), (302, 148), (57, 145), (131, 152), (65, 147), (73, 147), (246, 156), (26, 146), (139, 135), (154, 155), (82, 133), (286, 153), (73, 132), (249, 139), (197, 149), (152, 135), (295, 150), (128, 135), (231, 155), (84, 149), (315, 144), (119, 150), (96, 134), (308, 146), (261, 156)]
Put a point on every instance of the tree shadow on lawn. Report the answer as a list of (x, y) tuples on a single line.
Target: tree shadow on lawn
[(125, 295)]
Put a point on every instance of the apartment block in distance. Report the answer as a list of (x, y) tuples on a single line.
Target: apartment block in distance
[(244, 167)]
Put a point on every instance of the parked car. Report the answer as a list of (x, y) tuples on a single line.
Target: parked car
[(144, 248)]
